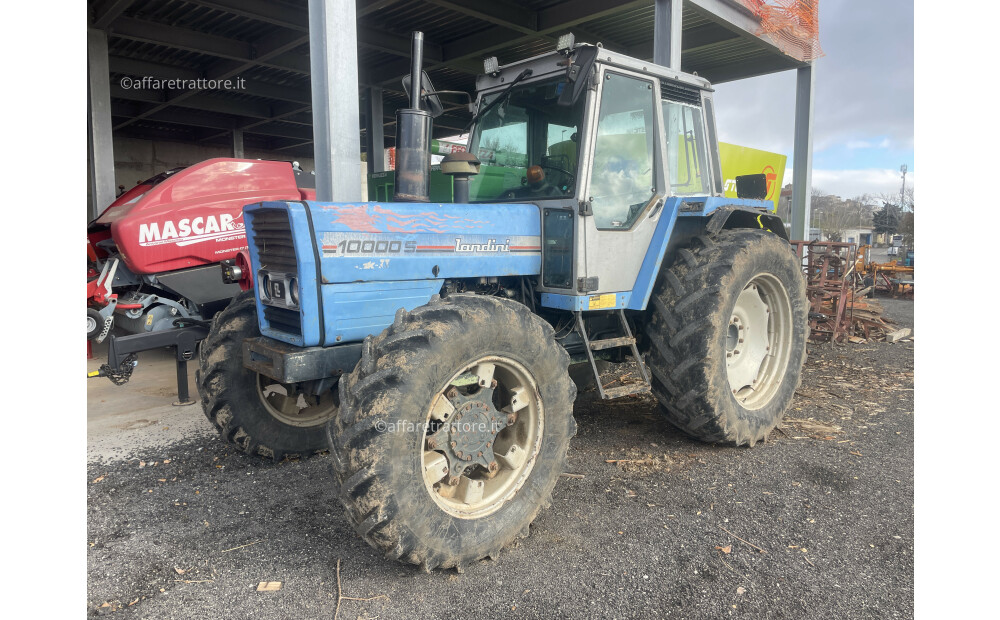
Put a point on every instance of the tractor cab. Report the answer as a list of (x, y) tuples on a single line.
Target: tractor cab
[(602, 143)]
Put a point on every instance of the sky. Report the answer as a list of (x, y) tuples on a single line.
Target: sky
[(863, 101)]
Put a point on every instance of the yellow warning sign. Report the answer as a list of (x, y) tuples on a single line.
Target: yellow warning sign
[(597, 302)]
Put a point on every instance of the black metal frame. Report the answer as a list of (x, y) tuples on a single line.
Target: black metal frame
[(184, 340), (287, 363)]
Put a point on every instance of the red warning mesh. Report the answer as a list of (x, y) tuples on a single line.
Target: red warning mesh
[(793, 25)]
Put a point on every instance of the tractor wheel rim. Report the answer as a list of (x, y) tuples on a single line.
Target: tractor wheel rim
[(91, 324), (483, 434), (759, 341), (286, 404)]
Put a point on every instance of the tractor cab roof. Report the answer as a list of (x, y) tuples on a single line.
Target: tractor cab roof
[(554, 62)]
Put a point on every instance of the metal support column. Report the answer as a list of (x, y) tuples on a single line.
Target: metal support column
[(333, 64), (667, 20), (375, 132), (238, 144), (101, 149), (802, 152)]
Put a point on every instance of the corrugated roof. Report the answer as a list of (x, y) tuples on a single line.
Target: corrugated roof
[(265, 43)]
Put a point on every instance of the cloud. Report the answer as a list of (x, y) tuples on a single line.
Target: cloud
[(863, 99), (851, 183), (865, 144)]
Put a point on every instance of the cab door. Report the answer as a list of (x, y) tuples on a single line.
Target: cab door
[(625, 189)]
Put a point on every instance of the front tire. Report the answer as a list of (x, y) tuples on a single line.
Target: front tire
[(254, 413), (422, 483), (726, 336)]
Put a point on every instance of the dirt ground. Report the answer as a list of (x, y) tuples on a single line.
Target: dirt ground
[(817, 522)]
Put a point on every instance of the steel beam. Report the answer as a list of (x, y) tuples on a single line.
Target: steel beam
[(238, 144), (370, 6), (333, 54), (496, 12), (459, 54), (109, 12), (268, 48), (375, 132), (266, 11), (802, 151), (99, 140), (667, 24)]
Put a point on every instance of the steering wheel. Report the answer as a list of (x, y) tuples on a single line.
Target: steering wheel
[(570, 175)]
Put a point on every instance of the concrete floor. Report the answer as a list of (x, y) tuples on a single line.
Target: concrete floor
[(122, 420), (182, 526)]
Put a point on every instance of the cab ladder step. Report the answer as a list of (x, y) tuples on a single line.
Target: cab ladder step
[(628, 340)]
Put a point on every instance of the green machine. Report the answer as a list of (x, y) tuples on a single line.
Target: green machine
[(736, 161)]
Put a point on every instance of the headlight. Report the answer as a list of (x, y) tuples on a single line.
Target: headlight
[(293, 290), (265, 285)]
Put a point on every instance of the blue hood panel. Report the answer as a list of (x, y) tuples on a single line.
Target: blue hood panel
[(358, 263)]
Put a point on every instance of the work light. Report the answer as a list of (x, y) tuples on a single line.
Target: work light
[(491, 65), (566, 42)]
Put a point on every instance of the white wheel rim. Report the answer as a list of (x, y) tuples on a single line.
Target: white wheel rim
[(759, 341), (284, 403), (459, 482)]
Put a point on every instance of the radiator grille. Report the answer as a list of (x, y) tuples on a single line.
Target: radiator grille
[(283, 319), (272, 236)]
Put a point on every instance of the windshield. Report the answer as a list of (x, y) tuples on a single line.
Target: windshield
[(527, 145)]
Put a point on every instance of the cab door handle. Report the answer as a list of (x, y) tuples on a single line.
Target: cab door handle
[(656, 208)]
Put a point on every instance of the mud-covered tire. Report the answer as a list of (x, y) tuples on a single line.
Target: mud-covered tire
[(379, 474), (685, 334), (230, 392)]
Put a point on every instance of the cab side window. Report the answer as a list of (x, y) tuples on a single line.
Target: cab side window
[(686, 151)]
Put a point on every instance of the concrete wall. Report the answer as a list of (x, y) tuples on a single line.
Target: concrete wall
[(136, 160)]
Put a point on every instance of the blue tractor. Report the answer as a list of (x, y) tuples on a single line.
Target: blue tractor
[(428, 346)]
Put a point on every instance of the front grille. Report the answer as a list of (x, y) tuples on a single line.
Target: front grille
[(272, 236), (680, 93), (283, 319)]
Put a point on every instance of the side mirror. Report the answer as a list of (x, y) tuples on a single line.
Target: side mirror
[(428, 97), (578, 74)]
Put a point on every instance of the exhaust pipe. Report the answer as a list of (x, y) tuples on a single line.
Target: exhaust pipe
[(413, 137)]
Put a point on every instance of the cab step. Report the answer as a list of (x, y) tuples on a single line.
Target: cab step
[(627, 390), (628, 340), (611, 343)]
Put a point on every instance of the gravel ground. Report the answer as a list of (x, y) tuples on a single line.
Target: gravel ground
[(815, 523)]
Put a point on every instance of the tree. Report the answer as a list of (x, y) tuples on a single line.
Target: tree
[(834, 216), (906, 228), (886, 219)]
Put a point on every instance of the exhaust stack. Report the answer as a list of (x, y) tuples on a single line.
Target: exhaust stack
[(413, 136)]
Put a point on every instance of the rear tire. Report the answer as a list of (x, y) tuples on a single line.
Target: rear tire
[(241, 403), (727, 301), (393, 477)]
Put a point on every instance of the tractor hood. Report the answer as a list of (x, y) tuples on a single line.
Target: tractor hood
[(367, 260)]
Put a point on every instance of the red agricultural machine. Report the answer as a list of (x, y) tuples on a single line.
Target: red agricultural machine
[(153, 255)]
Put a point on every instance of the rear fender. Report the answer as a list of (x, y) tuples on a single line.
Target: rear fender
[(735, 217)]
